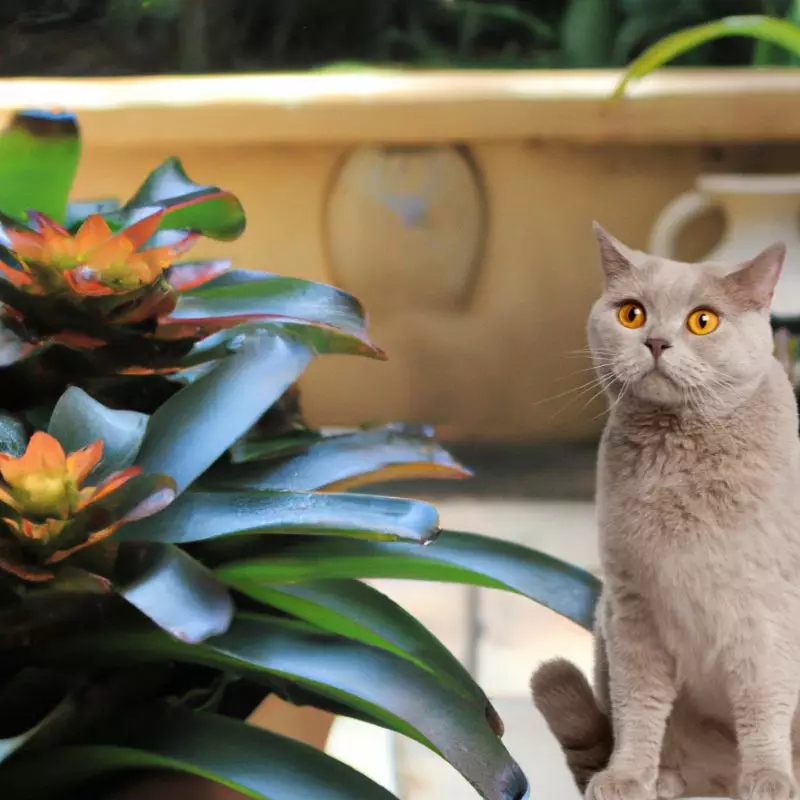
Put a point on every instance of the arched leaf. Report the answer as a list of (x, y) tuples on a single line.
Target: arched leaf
[(198, 516), (192, 429), (172, 589), (207, 210), (343, 462), (259, 764), (392, 690), (32, 701), (766, 29), (454, 557), (261, 298), (357, 611), (78, 420)]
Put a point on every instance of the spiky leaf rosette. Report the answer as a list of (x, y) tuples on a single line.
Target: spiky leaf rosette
[(92, 294), (337, 644), (165, 623)]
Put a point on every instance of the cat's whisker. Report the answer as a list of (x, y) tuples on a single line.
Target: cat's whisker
[(580, 390), (611, 406), (590, 354), (603, 382), (583, 371), (597, 394)]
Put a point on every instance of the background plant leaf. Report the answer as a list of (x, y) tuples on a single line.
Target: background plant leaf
[(587, 32), (776, 31)]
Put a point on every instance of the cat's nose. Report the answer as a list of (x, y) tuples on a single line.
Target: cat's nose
[(657, 346)]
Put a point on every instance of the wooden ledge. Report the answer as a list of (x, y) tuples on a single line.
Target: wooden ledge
[(403, 107)]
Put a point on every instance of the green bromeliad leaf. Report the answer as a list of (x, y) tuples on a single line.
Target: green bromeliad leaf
[(207, 210), (341, 462), (79, 210), (32, 700), (454, 557), (252, 761), (78, 420), (357, 611), (178, 593), (39, 154), (189, 432), (10, 744), (198, 516), (264, 300), (13, 436), (392, 690), (138, 497), (257, 449), (186, 275)]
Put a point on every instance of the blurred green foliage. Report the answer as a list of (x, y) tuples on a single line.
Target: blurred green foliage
[(78, 37)]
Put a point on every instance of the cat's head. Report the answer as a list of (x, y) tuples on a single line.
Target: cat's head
[(676, 335)]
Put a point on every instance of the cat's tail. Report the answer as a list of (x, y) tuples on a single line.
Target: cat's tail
[(566, 701)]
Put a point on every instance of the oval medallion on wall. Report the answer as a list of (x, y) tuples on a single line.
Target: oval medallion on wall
[(405, 227)]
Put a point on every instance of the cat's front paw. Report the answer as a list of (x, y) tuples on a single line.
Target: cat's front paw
[(767, 784), (670, 785), (616, 785)]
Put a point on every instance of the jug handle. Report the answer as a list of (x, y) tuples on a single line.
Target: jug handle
[(681, 210)]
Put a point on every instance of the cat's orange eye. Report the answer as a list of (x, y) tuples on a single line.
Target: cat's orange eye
[(631, 315), (702, 321)]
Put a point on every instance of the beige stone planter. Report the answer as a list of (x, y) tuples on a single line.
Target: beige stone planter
[(457, 206)]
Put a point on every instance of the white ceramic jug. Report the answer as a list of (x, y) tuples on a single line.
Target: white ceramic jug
[(759, 211)]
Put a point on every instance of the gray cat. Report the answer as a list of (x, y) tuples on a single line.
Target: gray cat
[(698, 629)]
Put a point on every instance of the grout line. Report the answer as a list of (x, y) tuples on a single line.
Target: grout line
[(367, 748), (474, 630)]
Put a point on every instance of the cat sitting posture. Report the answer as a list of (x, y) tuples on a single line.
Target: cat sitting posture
[(697, 673)]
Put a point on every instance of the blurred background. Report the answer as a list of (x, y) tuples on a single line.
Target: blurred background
[(443, 161), (134, 37)]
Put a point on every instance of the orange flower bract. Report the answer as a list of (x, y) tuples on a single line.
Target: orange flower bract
[(43, 488), (93, 261)]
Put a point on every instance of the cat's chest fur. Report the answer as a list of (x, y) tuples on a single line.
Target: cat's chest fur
[(703, 523)]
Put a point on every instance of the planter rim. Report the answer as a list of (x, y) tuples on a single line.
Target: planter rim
[(409, 106), (750, 183)]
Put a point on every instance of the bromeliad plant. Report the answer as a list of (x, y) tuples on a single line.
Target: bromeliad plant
[(175, 542)]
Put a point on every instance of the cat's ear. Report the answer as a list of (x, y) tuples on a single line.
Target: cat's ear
[(753, 284), (615, 257)]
